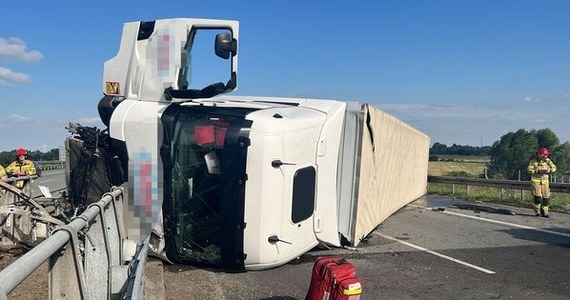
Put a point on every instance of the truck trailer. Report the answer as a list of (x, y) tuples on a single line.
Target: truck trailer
[(237, 182)]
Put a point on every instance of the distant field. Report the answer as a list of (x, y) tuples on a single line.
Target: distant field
[(463, 158), (469, 168)]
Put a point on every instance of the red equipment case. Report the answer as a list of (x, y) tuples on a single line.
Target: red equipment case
[(334, 278)]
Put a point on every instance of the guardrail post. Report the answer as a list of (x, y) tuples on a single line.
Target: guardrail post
[(66, 270), (115, 237), (136, 284), (104, 269), (97, 257)]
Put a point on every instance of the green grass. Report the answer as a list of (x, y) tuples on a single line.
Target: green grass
[(453, 168), (466, 158), (559, 202)]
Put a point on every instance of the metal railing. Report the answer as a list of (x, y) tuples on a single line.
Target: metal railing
[(20, 178), (135, 283), (87, 250), (51, 164), (507, 184), (28, 187)]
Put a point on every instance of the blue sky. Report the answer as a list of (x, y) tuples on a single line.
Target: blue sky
[(463, 72)]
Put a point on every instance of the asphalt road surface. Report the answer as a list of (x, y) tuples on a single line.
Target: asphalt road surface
[(54, 180), (427, 250)]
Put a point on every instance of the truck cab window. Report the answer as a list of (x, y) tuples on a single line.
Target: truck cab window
[(204, 200), (303, 194), (203, 68)]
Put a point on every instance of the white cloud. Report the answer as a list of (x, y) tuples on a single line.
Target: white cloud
[(88, 121), (8, 76), (443, 111), (15, 118), (565, 96), (16, 49), (15, 122), (531, 99)]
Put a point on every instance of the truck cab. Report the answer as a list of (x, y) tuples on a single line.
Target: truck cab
[(241, 182), (218, 180)]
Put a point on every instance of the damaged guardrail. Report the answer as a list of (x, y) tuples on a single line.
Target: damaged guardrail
[(19, 178), (27, 187), (86, 256), (135, 284), (25, 219)]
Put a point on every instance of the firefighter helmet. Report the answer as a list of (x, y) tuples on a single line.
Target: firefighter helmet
[(543, 151), (21, 151)]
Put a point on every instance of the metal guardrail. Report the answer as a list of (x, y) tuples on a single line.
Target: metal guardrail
[(98, 272), (11, 180), (135, 283), (508, 184), (19, 178)]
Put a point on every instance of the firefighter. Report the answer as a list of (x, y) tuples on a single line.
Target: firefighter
[(540, 169), (21, 166), (3, 174)]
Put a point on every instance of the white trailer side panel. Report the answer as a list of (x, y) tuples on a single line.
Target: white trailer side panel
[(393, 169)]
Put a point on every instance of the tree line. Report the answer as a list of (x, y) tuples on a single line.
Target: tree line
[(509, 156), (6, 157), (441, 149)]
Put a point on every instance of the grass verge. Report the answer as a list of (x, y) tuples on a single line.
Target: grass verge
[(559, 202)]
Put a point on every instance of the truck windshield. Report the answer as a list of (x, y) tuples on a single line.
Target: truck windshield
[(205, 175)]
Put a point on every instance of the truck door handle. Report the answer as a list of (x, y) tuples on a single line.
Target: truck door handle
[(277, 163), (274, 239)]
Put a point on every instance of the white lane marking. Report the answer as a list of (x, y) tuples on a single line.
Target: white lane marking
[(435, 253), (48, 180), (564, 234)]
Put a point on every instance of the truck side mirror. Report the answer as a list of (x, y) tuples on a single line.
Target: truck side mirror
[(225, 45)]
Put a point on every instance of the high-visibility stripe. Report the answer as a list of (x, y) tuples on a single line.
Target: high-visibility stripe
[(352, 292)]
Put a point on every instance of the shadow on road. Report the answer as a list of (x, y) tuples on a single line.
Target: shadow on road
[(552, 236)]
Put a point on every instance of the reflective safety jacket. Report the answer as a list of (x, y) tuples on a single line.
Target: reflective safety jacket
[(2, 173), (540, 169), (21, 168)]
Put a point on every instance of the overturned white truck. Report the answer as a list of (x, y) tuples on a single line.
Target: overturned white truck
[(238, 182)]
